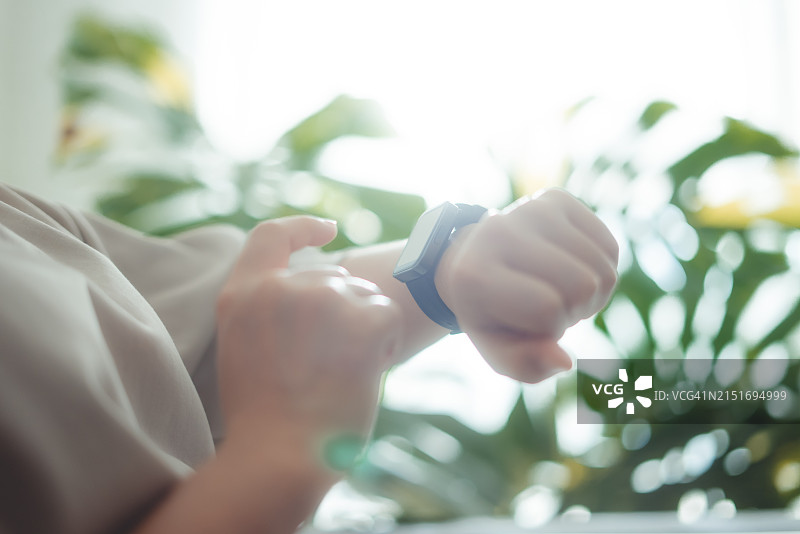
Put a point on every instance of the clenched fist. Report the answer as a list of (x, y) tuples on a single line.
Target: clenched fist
[(516, 280), (301, 352)]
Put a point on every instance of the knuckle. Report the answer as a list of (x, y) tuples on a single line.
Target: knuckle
[(294, 296), (383, 315), (267, 231), (614, 249), (324, 295), (319, 270), (550, 309), (265, 228), (608, 279), (586, 287), (496, 226), (558, 195), (340, 271), (540, 215), (548, 303), (362, 285)]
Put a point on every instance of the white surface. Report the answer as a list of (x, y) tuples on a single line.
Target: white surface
[(764, 522)]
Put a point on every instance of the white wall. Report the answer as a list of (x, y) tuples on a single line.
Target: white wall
[(457, 77), (263, 65), (5, 54), (31, 34)]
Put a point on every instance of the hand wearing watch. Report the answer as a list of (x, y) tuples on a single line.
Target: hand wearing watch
[(417, 264)]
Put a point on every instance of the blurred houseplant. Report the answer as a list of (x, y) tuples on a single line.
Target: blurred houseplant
[(128, 120)]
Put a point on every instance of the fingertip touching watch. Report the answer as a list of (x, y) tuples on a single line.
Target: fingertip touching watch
[(416, 267)]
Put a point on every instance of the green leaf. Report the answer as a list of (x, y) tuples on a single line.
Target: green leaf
[(397, 212), (141, 190), (75, 92), (180, 124), (654, 112), (738, 138), (754, 270), (93, 39), (343, 116)]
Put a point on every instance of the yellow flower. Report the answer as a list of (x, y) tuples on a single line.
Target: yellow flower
[(168, 84), (739, 213)]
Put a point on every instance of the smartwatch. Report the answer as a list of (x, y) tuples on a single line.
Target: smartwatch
[(417, 264)]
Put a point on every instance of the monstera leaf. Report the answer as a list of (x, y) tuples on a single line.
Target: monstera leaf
[(128, 116), (692, 278), (687, 289), (686, 283)]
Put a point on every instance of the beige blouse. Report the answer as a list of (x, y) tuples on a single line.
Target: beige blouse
[(107, 372)]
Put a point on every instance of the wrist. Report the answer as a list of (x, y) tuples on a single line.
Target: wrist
[(254, 484), (421, 258), (443, 278), (271, 446), (278, 456), (312, 452)]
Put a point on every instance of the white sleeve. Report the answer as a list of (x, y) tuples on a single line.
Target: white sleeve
[(86, 445), (179, 276)]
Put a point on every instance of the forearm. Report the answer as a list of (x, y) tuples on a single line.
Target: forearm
[(254, 484), (300, 355), (376, 264)]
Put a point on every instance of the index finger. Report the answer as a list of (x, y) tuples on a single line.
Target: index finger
[(270, 244)]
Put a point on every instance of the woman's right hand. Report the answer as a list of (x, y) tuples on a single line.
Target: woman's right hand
[(300, 356), (301, 352)]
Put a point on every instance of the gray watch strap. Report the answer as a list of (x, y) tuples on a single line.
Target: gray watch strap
[(423, 289)]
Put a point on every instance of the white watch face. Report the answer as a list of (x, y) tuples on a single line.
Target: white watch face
[(418, 239)]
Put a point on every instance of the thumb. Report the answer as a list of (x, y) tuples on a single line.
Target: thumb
[(270, 244), (522, 358)]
